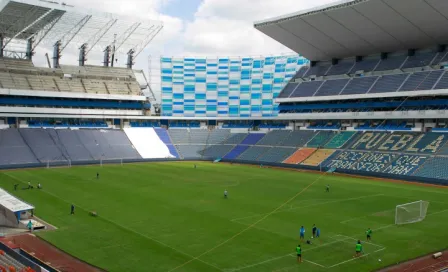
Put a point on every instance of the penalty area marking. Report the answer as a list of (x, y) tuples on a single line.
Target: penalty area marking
[(355, 258), (287, 255), (345, 238)]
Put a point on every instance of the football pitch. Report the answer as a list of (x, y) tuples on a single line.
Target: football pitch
[(172, 217)]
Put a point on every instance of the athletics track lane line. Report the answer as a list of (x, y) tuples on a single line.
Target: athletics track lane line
[(124, 227), (252, 225)]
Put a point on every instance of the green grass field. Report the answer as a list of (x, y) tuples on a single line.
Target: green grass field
[(161, 216)]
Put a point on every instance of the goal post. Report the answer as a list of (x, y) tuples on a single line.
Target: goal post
[(111, 161), (54, 164), (411, 212)]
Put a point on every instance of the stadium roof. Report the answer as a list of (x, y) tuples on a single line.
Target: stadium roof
[(361, 27), (12, 203), (48, 22)]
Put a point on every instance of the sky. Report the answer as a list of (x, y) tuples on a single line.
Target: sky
[(197, 28)]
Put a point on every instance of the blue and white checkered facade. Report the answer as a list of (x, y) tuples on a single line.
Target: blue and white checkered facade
[(225, 87)]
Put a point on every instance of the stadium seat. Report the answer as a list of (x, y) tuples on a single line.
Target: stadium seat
[(340, 139), (252, 138), (388, 83), (298, 138), (435, 167), (274, 137), (320, 139), (307, 88), (318, 157), (253, 153), (332, 87), (277, 154), (359, 85), (216, 151), (235, 138), (299, 156), (236, 152)]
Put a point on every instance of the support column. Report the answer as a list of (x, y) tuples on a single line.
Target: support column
[(56, 54), (130, 60), (29, 49), (1, 45), (82, 55), (106, 57)]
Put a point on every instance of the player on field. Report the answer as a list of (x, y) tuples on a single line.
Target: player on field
[(369, 234), (314, 230), (299, 253), (72, 209), (327, 189), (97, 175), (302, 233), (358, 249), (225, 193), (318, 233)]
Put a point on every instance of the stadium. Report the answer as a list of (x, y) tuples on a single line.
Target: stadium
[(331, 158)]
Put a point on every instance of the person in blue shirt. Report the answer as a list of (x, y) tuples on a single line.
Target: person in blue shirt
[(317, 233), (302, 233)]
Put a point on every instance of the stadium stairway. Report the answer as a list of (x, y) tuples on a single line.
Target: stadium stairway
[(300, 155), (236, 152), (253, 153), (435, 167), (252, 138), (166, 139), (276, 154), (42, 145), (318, 157), (216, 151), (320, 139), (235, 138), (13, 149), (75, 149), (274, 138), (340, 139)]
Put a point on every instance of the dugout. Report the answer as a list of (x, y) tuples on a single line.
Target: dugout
[(12, 210)]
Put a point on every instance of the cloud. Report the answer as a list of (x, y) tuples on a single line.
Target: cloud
[(226, 27)]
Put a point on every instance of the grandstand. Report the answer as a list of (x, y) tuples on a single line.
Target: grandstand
[(372, 99)]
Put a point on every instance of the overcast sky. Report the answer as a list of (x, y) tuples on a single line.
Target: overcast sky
[(196, 28)]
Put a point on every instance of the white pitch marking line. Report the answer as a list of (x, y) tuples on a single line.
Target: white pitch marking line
[(122, 226), (345, 221), (311, 205), (314, 263), (362, 256), (284, 256), (365, 242)]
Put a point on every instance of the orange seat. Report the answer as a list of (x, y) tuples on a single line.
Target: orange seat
[(318, 157), (300, 155)]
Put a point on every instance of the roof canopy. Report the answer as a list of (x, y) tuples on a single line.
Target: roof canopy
[(48, 22), (12, 203), (361, 27)]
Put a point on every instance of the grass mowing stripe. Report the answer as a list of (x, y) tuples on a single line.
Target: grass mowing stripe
[(121, 226), (307, 206), (255, 223)]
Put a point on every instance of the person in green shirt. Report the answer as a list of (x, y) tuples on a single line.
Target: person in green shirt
[(299, 253), (369, 234), (358, 249)]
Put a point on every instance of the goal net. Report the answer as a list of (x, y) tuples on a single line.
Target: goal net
[(111, 161), (411, 212), (51, 164)]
